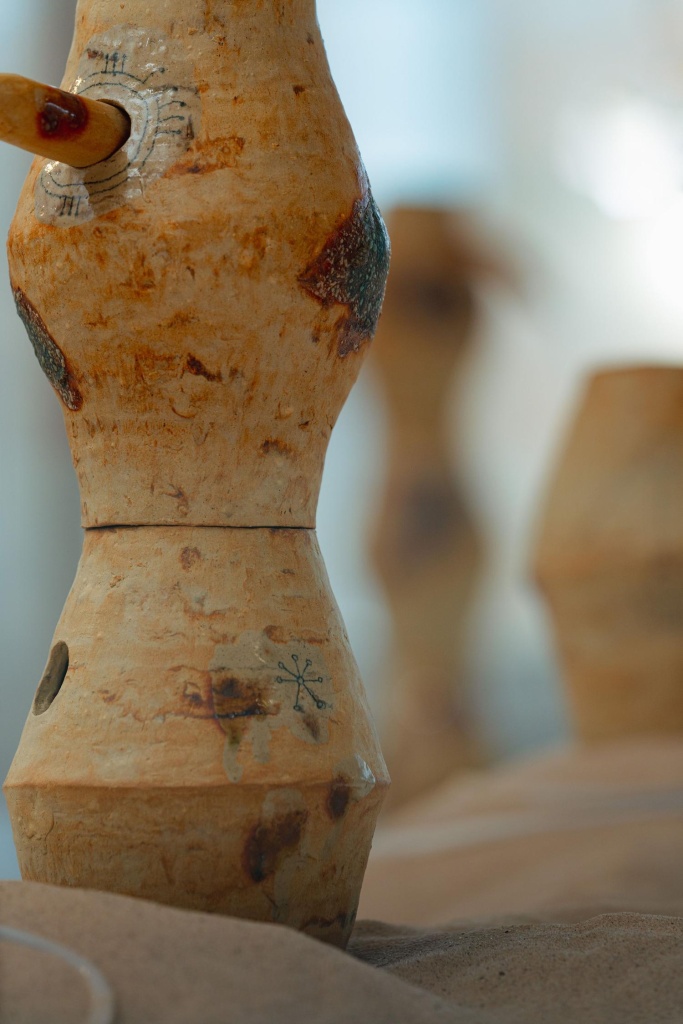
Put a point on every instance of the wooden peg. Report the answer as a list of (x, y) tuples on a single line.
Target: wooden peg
[(59, 125)]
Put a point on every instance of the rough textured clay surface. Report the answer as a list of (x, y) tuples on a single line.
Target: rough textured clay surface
[(202, 302), (249, 227), (222, 757)]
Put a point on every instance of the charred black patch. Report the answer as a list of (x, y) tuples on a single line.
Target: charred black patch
[(189, 557), (53, 677), (313, 725), (195, 703), (275, 446), (298, 89), (338, 798), (351, 270), (193, 696), (270, 841), (234, 700), (48, 352), (178, 494), (196, 367)]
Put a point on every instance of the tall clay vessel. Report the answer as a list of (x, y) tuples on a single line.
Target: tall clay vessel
[(202, 302), (609, 556), (426, 544)]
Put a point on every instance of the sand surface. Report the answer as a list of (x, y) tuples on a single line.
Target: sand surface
[(547, 893)]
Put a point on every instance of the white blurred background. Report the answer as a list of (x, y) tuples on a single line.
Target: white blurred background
[(560, 125)]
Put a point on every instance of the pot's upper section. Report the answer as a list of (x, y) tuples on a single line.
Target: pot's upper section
[(612, 510), (201, 301)]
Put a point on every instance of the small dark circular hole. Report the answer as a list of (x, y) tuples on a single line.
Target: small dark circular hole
[(53, 677)]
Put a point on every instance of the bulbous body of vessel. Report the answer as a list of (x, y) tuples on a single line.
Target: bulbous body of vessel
[(202, 302), (609, 554)]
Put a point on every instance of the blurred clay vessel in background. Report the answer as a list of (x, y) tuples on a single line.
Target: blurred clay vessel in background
[(609, 555), (426, 545), (202, 302)]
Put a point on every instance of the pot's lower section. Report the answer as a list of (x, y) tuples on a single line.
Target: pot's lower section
[(201, 736), (619, 639), (293, 855)]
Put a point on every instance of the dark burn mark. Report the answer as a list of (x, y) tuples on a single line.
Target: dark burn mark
[(193, 696), (196, 367), (253, 711), (53, 677), (338, 798), (49, 354), (60, 115), (225, 152), (298, 89), (233, 700), (351, 270), (193, 703), (270, 841), (274, 446), (178, 494), (312, 724), (189, 557)]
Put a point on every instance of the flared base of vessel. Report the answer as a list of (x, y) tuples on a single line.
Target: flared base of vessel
[(201, 736)]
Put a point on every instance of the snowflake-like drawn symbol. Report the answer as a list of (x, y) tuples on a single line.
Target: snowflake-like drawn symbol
[(298, 676)]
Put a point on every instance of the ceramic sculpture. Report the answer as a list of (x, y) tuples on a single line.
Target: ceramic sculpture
[(609, 557), (426, 546), (202, 302)]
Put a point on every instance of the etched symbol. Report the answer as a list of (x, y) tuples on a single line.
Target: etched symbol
[(298, 676), (150, 79)]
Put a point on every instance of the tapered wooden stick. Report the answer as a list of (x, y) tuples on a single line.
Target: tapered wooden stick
[(59, 125)]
